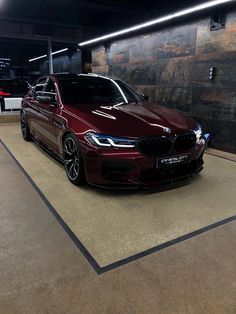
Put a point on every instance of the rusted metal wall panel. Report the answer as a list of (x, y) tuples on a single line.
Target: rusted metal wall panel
[(172, 67), (214, 103), (99, 57), (223, 40), (225, 64), (137, 74)]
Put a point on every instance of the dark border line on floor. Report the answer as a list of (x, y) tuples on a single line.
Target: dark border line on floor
[(222, 157), (167, 244), (85, 252), (70, 233)]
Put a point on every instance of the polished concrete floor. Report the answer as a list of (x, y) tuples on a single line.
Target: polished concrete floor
[(9, 117), (43, 271)]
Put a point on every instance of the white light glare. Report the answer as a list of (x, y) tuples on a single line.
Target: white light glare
[(41, 57), (59, 51), (157, 21), (45, 56)]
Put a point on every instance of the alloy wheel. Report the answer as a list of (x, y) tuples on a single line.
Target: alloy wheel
[(71, 158)]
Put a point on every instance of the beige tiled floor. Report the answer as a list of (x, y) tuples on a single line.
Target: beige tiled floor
[(115, 225), (42, 271)]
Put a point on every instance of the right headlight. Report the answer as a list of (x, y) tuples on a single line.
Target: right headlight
[(103, 140)]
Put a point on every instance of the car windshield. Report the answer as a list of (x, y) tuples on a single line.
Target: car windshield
[(96, 90)]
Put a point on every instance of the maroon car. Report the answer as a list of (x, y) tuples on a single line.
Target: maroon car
[(107, 134)]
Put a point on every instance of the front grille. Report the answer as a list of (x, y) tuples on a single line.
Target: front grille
[(184, 142), (162, 145), (155, 146)]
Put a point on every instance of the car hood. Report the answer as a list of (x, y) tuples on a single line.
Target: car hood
[(132, 120)]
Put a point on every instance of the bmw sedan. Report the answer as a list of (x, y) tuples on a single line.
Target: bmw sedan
[(107, 134)]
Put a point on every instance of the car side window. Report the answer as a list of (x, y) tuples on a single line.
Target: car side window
[(50, 88), (40, 86)]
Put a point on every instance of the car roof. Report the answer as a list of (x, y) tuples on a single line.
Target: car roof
[(66, 75)]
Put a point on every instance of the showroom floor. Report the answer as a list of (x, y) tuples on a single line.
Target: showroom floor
[(85, 250)]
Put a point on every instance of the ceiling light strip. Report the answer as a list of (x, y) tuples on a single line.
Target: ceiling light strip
[(45, 56), (157, 21), (59, 51), (41, 57)]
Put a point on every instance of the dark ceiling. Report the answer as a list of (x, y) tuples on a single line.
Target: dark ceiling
[(92, 18), (100, 14)]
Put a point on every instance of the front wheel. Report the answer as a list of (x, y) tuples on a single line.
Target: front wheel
[(24, 127), (73, 161)]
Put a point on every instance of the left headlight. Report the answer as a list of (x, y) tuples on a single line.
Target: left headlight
[(103, 140)]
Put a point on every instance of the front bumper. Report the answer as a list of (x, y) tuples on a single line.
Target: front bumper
[(115, 168)]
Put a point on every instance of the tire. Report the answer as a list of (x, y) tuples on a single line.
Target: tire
[(73, 160), (24, 127)]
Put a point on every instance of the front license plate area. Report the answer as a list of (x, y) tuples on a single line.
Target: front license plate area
[(171, 161)]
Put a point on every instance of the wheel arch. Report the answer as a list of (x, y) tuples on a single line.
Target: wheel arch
[(64, 135), (67, 131)]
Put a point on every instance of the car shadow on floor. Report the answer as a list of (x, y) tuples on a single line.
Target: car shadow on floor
[(119, 192)]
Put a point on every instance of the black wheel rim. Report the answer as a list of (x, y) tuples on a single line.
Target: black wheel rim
[(23, 125), (71, 158)]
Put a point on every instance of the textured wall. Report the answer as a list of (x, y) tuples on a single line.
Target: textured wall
[(172, 67)]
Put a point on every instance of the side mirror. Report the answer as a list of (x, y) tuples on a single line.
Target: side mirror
[(47, 100), (29, 86), (145, 97)]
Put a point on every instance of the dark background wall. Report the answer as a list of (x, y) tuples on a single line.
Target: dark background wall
[(20, 51), (172, 67), (65, 63)]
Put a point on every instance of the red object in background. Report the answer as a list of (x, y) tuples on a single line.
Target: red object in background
[(2, 93), (122, 138)]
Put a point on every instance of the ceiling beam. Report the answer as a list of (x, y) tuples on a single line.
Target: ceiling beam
[(103, 6), (43, 22)]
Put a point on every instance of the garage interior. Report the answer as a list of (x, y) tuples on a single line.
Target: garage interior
[(169, 249)]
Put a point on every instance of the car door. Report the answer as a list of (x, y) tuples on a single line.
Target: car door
[(33, 113), (56, 121), (46, 116)]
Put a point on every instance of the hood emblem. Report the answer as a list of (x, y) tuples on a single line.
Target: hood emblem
[(167, 130)]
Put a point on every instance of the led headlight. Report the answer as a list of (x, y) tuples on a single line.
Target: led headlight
[(198, 133), (103, 140)]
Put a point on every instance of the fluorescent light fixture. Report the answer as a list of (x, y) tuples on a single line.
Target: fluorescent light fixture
[(5, 59), (37, 58), (45, 56), (157, 21), (59, 51)]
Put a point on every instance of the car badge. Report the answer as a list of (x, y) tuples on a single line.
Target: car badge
[(167, 130)]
